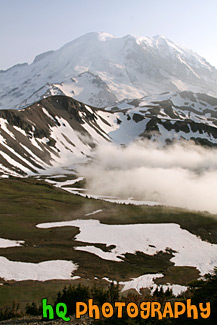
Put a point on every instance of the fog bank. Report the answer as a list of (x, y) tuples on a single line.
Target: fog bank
[(182, 175)]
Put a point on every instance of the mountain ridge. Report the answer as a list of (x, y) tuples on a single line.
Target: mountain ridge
[(59, 132)]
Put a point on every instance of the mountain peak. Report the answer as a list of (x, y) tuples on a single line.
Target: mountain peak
[(159, 37), (101, 36), (130, 67)]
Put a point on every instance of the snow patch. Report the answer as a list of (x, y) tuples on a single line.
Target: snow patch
[(5, 243), (189, 250), (43, 271), (94, 212)]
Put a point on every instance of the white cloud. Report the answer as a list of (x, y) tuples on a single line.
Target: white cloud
[(183, 175)]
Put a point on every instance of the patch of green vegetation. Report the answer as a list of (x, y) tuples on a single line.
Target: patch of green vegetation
[(181, 275), (150, 263), (27, 291), (24, 292)]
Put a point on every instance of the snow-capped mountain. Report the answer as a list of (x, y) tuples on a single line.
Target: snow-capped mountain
[(53, 133), (100, 69), (85, 87), (60, 132)]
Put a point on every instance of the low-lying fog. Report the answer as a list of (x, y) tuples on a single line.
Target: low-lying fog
[(183, 175)]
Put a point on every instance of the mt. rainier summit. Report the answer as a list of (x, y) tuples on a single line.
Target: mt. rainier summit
[(100, 69)]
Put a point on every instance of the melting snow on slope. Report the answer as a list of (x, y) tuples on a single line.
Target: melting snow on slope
[(148, 238), (65, 183), (21, 271), (12, 162), (128, 132), (20, 130), (71, 150), (3, 125), (131, 201), (94, 212), (4, 243), (48, 270), (147, 281)]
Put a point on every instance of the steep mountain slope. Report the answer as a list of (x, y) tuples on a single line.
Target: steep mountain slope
[(173, 116), (59, 132), (56, 132), (127, 67)]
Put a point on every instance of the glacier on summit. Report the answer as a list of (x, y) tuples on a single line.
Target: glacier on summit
[(100, 69)]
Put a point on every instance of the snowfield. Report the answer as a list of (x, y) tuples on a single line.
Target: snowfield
[(189, 250), (21, 271), (44, 271)]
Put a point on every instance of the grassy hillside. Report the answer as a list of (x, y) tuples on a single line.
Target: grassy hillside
[(27, 202)]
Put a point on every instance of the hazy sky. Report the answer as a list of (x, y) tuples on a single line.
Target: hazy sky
[(30, 27)]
